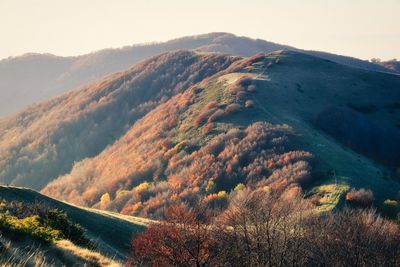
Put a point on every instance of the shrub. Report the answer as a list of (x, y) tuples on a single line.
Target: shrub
[(142, 187), (362, 197), (241, 95), (235, 89), (244, 82), (105, 201), (188, 243), (216, 115), (40, 222), (27, 227), (72, 231), (207, 128), (391, 208), (252, 88), (249, 104), (239, 187), (211, 105), (232, 108), (201, 119)]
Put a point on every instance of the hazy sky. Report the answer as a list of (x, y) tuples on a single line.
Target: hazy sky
[(360, 28)]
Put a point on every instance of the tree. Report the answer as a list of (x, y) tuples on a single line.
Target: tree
[(263, 229), (183, 239)]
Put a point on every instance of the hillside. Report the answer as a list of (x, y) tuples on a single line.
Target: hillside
[(110, 233), (32, 78), (43, 141), (260, 124)]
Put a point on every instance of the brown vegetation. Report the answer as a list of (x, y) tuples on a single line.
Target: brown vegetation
[(362, 197), (269, 229), (255, 156)]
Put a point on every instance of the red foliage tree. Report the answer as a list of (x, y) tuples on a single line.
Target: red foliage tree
[(181, 240)]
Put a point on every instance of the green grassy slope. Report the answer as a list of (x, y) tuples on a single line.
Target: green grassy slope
[(295, 87), (110, 232), (292, 88)]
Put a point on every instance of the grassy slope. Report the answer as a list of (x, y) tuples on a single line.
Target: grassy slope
[(292, 91), (322, 83), (111, 232)]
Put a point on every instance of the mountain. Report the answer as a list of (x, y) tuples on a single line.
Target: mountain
[(109, 233), (277, 120), (43, 141), (36, 77)]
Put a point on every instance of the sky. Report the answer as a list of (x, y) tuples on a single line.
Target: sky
[(361, 28)]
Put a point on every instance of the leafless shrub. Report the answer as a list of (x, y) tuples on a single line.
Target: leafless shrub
[(241, 95), (249, 104), (219, 113), (251, 88), (362, 197), (232, 108)]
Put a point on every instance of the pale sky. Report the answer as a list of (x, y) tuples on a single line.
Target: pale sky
[(359, 28)]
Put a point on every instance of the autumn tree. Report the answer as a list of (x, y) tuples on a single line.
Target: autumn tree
[(183, 239), (263, 229)]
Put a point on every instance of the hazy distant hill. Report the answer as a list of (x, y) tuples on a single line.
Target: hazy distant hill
[(272, 120), (35, 77)]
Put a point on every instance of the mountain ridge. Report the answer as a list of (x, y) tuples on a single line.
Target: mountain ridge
[(36, 77)]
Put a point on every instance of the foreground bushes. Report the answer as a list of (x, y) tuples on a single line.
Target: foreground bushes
[(39, 222), (268, 229), (29, 226)]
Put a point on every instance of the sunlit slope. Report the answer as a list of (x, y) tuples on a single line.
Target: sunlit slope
[(209, 139)]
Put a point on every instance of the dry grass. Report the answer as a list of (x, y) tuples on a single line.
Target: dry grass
[(78, 254)]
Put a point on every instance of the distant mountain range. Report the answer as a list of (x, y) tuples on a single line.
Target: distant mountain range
[(32, 78)]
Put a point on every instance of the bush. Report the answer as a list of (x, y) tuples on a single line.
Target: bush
[(27, 227), (249, 104), (69, 230), (361, 198), (219, 113), (202, 117), (268, 229), (232, 108), (245, 81), (391, 208), (38, 221), (252, 88)]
